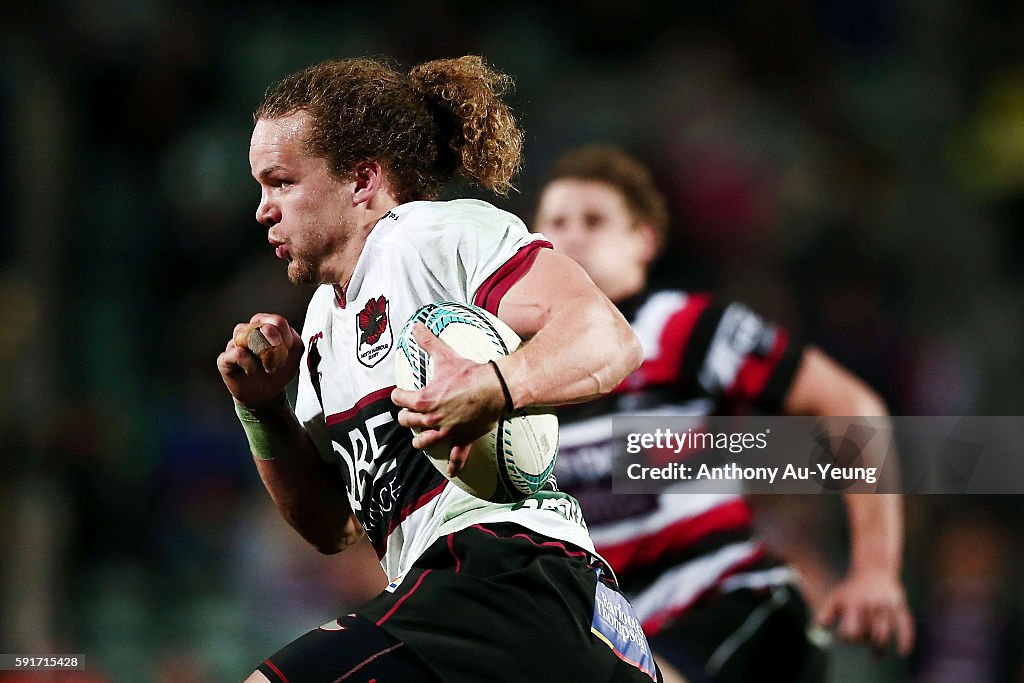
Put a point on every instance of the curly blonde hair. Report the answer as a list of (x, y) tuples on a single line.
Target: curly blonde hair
[(445, 118)]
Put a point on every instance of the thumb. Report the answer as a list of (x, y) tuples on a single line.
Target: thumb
[(457, 459), (428, 341)]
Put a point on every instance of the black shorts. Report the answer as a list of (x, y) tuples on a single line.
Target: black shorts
[(490, 603), (743, 635), (351, 649)]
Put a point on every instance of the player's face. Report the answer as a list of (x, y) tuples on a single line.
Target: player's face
[(590, 222), (305, 207)]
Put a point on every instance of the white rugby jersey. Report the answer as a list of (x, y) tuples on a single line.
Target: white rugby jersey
[(463, 250)]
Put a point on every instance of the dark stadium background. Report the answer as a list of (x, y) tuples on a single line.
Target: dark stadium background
[(853, 169)]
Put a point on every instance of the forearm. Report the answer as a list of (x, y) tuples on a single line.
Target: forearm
[(582, 350), (822, 387), (308, 493), (876, 519), (876, 532)]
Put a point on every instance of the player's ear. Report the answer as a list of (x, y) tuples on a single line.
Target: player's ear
[(368, 176), (648, 241)]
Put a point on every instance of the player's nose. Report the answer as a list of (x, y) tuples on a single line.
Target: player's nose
[(267, 213)]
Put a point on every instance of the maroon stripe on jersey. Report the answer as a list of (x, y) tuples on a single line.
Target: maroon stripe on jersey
[(673, 338), (416, 505), (341, 299), (360, 404), (659, 620), (755, 371), (640, 551), (497, 285)]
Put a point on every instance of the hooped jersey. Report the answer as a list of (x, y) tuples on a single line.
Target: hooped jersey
[(463, 250), (670, 548)]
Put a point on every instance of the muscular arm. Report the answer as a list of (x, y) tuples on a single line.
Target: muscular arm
[(869, 604), (580, 347), (309, 494)]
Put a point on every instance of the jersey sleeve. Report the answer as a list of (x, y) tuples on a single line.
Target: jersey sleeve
[(491, 291), (474, 252), (496, 253), (734, 354)]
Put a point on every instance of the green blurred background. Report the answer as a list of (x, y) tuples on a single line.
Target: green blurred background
[(851, 169)]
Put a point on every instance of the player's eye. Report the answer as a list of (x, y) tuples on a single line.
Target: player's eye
[(548, 223), (277, 180)]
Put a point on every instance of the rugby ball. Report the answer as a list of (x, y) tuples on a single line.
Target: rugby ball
[(515, 458)]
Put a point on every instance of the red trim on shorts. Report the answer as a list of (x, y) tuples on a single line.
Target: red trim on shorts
[(387, 615), (451, 549), (359, 405), (490, 293), (554, 544), (284, 679), (369, 659)]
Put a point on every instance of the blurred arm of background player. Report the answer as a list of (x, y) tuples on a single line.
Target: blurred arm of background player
[(869, 604)]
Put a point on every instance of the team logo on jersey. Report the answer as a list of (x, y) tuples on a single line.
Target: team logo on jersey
[(374, 333)]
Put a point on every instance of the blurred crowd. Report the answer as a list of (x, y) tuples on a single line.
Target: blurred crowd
[(852, 169)]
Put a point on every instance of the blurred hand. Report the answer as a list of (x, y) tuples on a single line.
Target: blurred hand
[(869, 606), (243, 372), (462, 401)]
